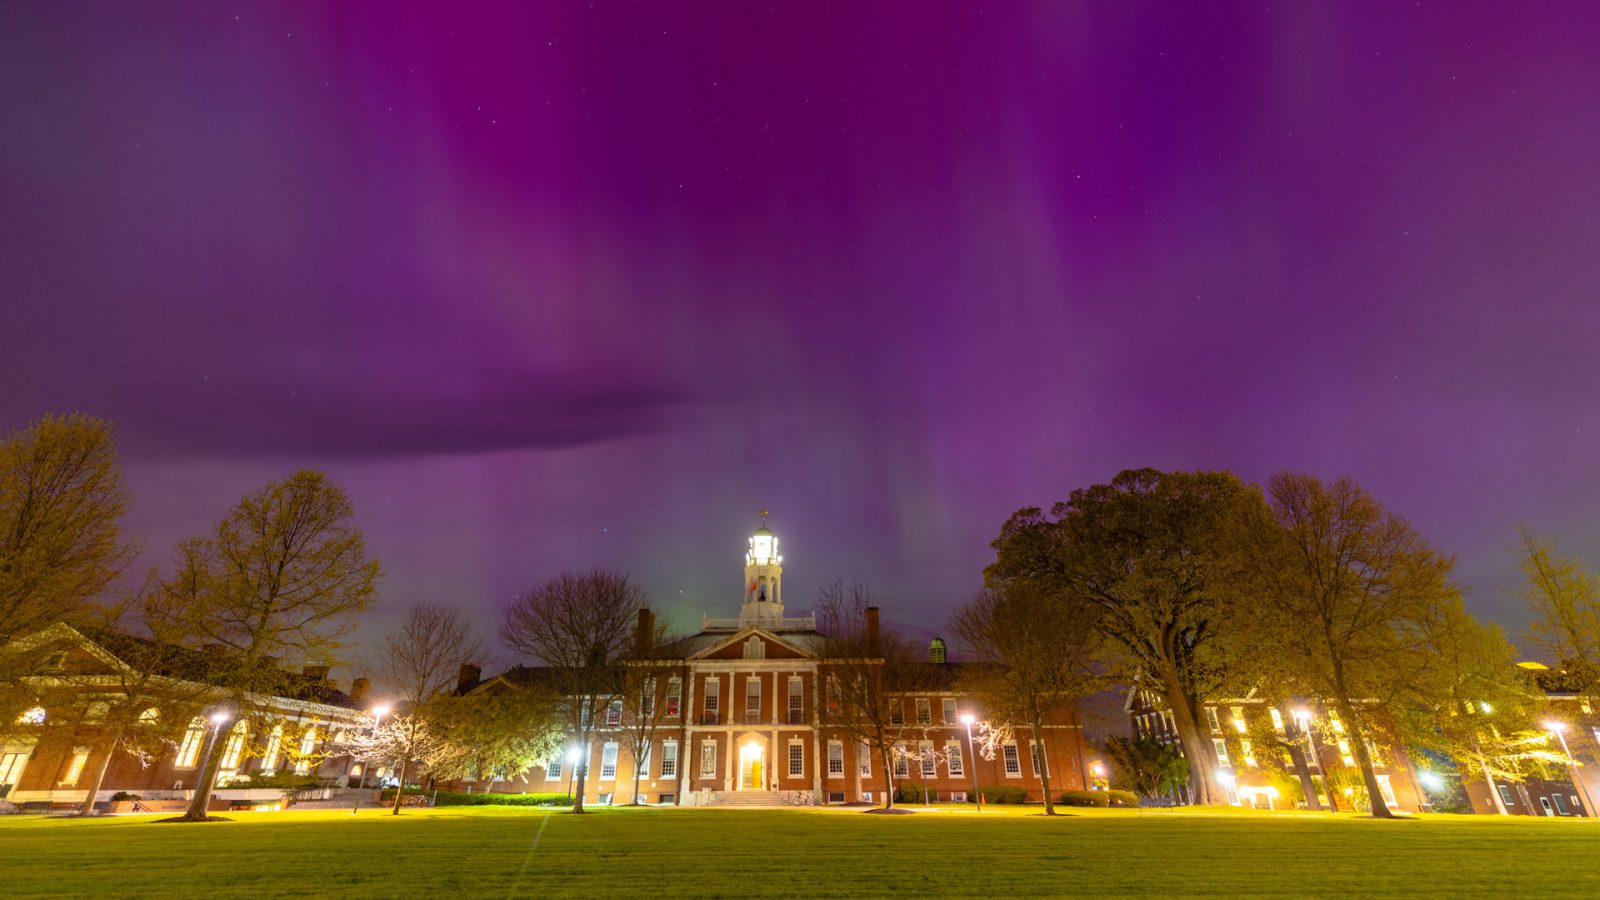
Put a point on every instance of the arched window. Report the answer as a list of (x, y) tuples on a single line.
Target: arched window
[(233, 752), (189, 749)]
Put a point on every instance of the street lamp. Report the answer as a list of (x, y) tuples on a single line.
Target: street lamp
[(967, 720), (572, 762), (1559, 729)]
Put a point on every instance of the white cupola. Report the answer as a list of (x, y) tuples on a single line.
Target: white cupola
[(763, 573)]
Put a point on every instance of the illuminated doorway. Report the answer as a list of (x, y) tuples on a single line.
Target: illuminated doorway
[(752, 771)]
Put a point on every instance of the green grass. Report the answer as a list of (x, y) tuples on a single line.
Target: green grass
[(487, 851)]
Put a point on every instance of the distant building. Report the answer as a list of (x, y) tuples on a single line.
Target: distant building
[(1261, 748), (50, 745), (741, 721)]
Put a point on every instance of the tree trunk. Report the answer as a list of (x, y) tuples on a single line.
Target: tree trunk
[(400, 789), (888, 774), (1202, 756), (1358, 743), (583, 771), (206, 775), (1044, 767), (1309, 787), (1494, 789), (109, 746)]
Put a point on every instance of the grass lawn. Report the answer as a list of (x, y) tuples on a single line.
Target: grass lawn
[(484, 851)]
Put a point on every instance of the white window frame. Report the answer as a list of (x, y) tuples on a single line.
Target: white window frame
[(12, 765), (1221, 747), (1386, 788), (835, 759), (647, 698), (797, 699), (954, 763), (929, 760), (80, 758), (269, 759), (752, 691), (864, 759), (797, 759), (608, 761), (189, 750), (924, 711), (708, 758), (1012, 759), (902, 762), (947, 710), (1211, 719), (614, 712), (713, 697), (674, 697), (643, 764), (669, 759), (552, 768), (233, 750), (308, 746)]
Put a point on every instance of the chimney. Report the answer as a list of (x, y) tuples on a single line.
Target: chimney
[(318, 672), (644, 635), (359, 690), (468, 678), (874, 644)]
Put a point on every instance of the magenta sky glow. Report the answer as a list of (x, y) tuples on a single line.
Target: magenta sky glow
[(561, 286)]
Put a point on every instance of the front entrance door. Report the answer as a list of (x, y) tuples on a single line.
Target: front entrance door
[(752, 774)]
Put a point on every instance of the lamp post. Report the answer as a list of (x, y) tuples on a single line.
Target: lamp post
[(1560, 731), (967, 720), (572, 762), (378, 712)]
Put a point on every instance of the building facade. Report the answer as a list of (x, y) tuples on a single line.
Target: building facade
[(744, 716)]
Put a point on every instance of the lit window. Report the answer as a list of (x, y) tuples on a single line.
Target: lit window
[(1344, 753), (1277, 719), (150, 716), (1247, 752), (752, 699), (669, 759), (643, 764), (75, 768), (1387, 790), (613, 713), (1372, 754), (1222, 751), (1338, 726), (925, 751), (233, 751), (552, 769), (189, 749), (902, 765), (1012, 761), (11, 766), (797, 759), (674, 697), (797, 701), (34, 716), (864, 759), (1238, 719), (835, 759), (608, 761), (308, 746), (1211, 718), (948, 710), (269, 759), (708, 759), (924, 711), (952, 752), (713, 698)]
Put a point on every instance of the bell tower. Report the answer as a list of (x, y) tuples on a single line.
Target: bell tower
[(763, 574)]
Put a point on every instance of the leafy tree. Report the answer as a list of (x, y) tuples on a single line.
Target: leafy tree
[(867, 674), (1149, 549), (1347, 593), (499, 731), (582, 627), (1146, 765), (1565, 601), (61, 504), (1035, 651), (282, 575), (400, 739)]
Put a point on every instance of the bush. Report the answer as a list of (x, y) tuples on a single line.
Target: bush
[(121, 796), (910, 792), (461, 798), (1086, 798), (281, 781), (1001, 793), (1123, 798)]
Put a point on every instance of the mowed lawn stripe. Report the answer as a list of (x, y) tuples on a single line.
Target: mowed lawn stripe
[(489, 852)]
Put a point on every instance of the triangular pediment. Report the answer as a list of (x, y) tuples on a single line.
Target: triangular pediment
[(738, 644)]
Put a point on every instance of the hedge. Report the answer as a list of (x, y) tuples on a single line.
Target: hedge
[(461, 798), (1002, 793), (1099, 798)]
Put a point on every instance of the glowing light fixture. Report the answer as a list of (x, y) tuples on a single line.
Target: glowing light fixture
[(967, 719), (1557, 727), (1431, 780)]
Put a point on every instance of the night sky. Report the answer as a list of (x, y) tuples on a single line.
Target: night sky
[(593, 284)]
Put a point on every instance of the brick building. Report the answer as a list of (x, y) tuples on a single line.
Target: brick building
[(740, 721)]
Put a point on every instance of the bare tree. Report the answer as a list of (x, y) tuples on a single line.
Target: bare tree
[(582, 627), (1034, 653), (650, 667), (868, 673), (283, 574), (421, 660), (61, 502)]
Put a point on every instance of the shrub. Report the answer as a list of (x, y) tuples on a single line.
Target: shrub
[(1087, 798), (121, 796), (1002, 793), (461, 798), (1123, 798), (911, 792)]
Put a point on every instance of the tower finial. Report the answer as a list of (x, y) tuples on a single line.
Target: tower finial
[(763, 517)]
